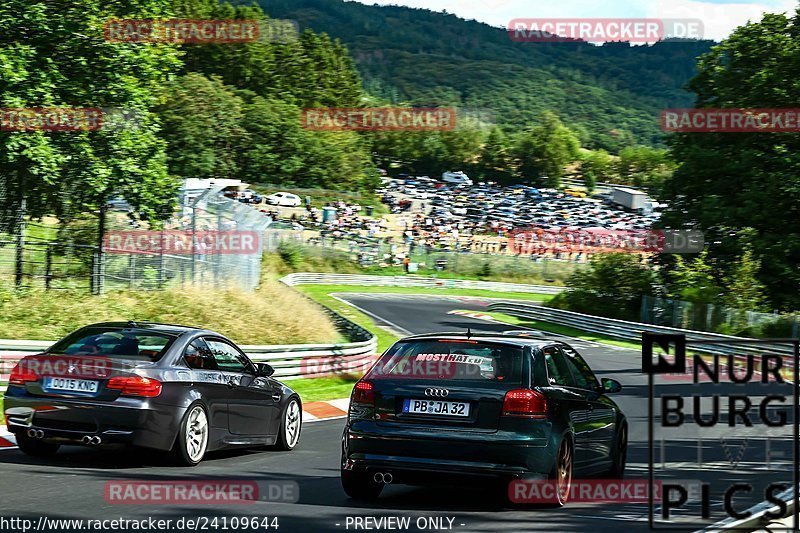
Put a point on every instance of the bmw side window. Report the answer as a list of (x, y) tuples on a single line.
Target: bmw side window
[(557, 373), (198, 355), (584, 376), (227, 357)]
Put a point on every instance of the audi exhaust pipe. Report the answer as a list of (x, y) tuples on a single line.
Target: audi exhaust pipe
[(96, 440), (35, 433), (384, 478), (86, 439), (90, 440)]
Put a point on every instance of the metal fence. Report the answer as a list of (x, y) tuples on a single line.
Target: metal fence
[(53, 256), (716, 318), (632, 331), (311, 278), (374, 252)]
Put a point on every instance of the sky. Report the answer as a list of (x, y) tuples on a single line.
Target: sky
[(719, 17)]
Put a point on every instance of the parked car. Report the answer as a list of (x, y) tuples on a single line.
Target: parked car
[(284, 199), (456, 178), (172, 388), (496, 406)]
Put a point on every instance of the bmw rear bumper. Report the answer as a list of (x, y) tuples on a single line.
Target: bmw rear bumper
[(134, 421)]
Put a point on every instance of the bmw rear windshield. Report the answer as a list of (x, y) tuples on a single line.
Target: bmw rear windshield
[(124, 343), (454, 360)]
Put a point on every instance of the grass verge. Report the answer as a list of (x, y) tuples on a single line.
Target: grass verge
[(563, 330), (323, 388), (275, 314)]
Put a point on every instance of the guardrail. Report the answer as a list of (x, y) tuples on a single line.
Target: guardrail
[(632, 331), (307, 278), (290, 361)]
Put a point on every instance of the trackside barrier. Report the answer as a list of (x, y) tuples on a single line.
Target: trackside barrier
[(632, 331), (307, 278)]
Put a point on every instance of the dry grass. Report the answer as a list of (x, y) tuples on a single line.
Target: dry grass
[(274, 314)]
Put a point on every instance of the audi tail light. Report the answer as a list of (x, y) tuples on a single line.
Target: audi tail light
[(525, 403), (135, 386), (21, 374), (364, 392)]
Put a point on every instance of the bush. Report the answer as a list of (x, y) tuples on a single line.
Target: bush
[(612, 287), (291, 253)]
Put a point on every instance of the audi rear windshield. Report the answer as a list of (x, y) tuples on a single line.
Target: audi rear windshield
[(124, 343), (454, 360)]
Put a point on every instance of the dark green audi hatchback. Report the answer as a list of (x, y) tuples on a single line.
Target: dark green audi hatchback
[(453, 407)]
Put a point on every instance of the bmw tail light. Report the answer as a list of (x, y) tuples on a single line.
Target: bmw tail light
[(525, 403), (21, 374), (135, 386), (364, 392)]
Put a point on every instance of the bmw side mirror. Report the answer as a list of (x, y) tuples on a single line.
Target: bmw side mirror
[(611, 385), (264, 370)]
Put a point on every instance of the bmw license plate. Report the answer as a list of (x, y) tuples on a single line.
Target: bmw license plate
[(70, 385), (435, 407)]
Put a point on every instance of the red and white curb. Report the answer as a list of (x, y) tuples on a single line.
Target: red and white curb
[(327, 410), (473, 314), (7, 439)]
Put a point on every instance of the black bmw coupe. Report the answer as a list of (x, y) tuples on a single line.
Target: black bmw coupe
[(174, 388)]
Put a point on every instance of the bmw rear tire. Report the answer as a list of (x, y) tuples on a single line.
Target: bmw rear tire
[(192, 441)]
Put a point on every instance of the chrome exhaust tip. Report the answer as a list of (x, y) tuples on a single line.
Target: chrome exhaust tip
[(32, 433), (96, 440), (39, 434), (86, 439), (384, 478)]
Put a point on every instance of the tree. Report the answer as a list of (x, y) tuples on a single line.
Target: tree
[(542, 152), (495, 163), (203, 125), (694, 281), (596, 165), (53, 54), (743, 289), (730, 181)]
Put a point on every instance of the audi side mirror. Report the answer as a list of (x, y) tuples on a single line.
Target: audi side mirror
[(264, 370), (610, 386)]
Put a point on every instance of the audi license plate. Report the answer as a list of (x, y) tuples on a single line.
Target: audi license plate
[(435, 407), (70, 384)]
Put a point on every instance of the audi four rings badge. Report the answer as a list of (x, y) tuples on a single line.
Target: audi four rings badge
[(441, 393)]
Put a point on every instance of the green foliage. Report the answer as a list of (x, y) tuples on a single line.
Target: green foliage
[(291, 253), (694, 280), (611, 95), (612, 286), (728, 181), (542, 152), (53, 54)]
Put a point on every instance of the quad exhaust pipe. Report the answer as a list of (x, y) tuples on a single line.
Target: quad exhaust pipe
[(91, 440), (35, 433), (383, 477)]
